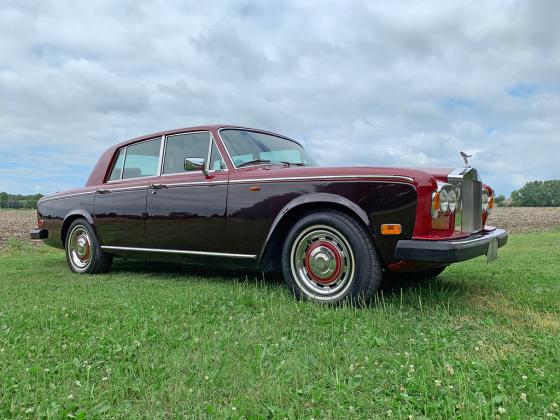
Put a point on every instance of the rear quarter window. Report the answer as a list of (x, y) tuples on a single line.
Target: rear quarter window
[(117, 167)]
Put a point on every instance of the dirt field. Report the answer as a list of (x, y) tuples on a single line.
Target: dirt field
[(526, 219), (18, 223)]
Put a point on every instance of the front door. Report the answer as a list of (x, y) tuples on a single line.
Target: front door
[(186, 208), (120, 203)]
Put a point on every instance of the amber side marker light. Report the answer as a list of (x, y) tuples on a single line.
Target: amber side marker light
[(391, 229), (435, 205)]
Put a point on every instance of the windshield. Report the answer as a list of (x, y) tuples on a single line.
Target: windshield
[(248, 148)]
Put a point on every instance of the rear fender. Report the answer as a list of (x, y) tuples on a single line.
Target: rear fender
[(70, 217)]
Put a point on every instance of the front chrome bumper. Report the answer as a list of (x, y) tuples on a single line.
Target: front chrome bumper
[(450, 251)]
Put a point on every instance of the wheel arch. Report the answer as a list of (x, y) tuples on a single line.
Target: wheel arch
[(70, 217), (296, 208)]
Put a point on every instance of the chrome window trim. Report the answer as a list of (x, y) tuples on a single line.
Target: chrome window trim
[(179, 251), (209, 153), (161, 151), (210, 156), (131, 188), (131, 179), (212, 141), (252, 131), (117, 153), (124, 161)]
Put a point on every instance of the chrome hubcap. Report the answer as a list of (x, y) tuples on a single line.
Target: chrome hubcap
[(79, 248), (322, 262)]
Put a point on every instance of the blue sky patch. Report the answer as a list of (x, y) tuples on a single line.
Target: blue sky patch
[(523, 90)]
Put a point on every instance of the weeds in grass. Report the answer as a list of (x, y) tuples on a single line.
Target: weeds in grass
[(152, 340)]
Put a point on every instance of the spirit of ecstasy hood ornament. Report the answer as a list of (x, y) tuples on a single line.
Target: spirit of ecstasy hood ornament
[(466, 159)]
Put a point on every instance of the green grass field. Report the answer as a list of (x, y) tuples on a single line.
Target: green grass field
[(155, 341)]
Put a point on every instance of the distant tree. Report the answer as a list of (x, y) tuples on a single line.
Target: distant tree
[(499, 200), (3, 200), (19, 201), (538, 194)]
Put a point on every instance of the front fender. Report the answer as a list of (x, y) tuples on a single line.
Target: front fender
[(317, 198)]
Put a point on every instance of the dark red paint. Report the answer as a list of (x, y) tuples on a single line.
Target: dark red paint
[(248, 217)]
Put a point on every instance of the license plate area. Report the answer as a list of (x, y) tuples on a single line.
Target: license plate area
[(492, 253)]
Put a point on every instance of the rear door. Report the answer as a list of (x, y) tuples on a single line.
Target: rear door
[(120, 203)]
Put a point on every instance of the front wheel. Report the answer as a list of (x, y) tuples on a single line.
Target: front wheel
[(83, 251), (329, 257)]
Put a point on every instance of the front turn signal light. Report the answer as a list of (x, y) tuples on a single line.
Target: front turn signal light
[(490, 204), (394, 229), (435, 204)]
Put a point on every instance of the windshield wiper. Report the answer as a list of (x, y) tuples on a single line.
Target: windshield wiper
[(254, 161), (291, 163), (257, 161)]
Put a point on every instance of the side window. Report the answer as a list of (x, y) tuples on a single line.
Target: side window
[(216, 161), (142, 159), (117, 167), (183, 146)]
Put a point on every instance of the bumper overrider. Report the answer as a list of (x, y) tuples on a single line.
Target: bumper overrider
[(39, 234), (449, 251)]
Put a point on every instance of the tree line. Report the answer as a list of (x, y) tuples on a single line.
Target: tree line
[(533, 194), (18, 201)]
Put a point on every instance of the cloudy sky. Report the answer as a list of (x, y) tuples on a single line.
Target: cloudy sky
[(359, 83)]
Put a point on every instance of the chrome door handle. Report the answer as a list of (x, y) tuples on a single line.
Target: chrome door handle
[(103, 191), (157, 186)]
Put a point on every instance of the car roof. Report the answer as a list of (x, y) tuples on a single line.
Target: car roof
[(194, 128)]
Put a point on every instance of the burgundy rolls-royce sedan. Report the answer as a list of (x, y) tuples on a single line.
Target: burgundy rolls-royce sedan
[(232, 196)]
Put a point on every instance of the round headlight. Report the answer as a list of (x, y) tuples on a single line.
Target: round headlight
[(452, 199), (485, 200), (444, 201)]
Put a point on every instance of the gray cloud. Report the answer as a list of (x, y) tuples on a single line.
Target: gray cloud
[(366, 83)]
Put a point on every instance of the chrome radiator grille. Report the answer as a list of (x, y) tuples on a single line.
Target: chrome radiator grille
[(469, 214)]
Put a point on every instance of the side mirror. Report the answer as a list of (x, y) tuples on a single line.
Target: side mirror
[(195, 164)]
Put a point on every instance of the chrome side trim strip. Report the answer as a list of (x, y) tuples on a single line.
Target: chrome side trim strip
[(304, 178), (178, 251), (185, 184), (60, 197), (133, 188), (245, 181)]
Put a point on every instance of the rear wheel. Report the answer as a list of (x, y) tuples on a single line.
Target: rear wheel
[(329, 257), (83, 252)]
